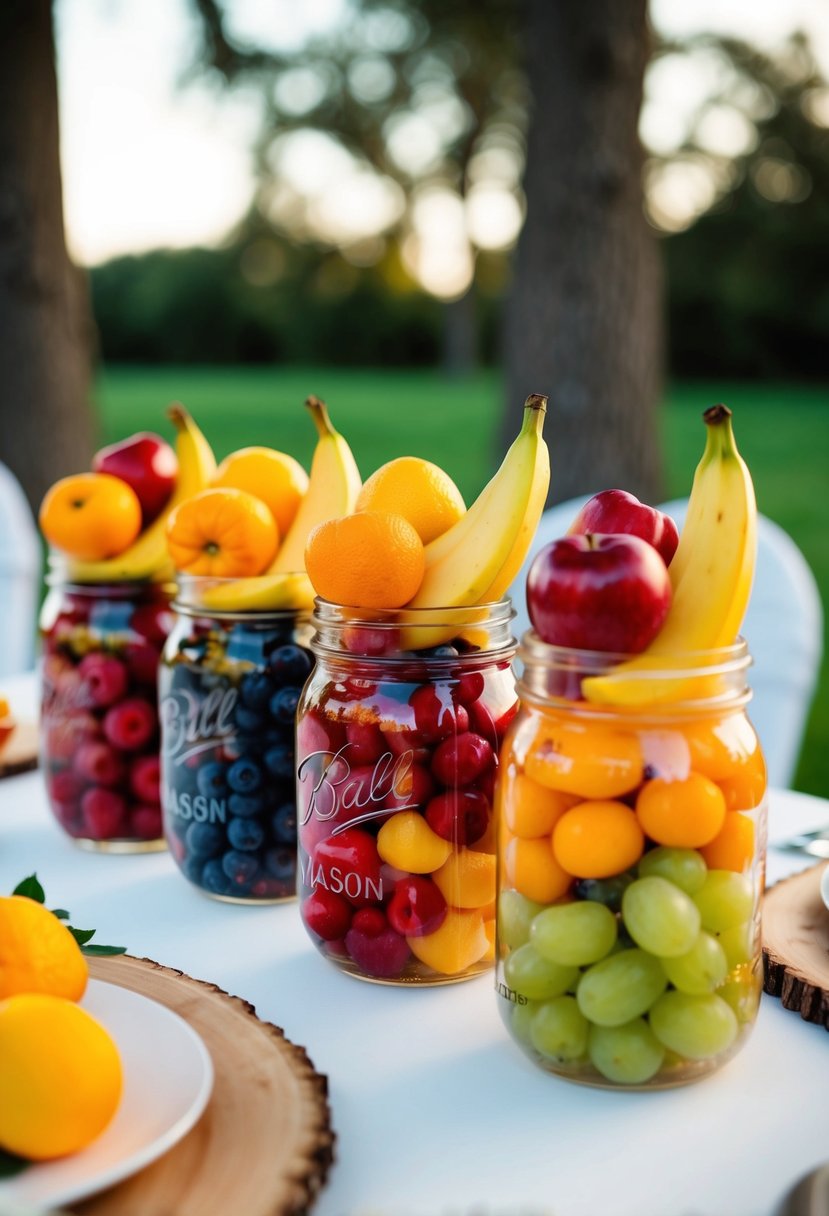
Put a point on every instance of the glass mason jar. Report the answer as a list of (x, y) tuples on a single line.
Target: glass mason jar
[(99, 710), (631, 866), (398, 733), (229, 687)]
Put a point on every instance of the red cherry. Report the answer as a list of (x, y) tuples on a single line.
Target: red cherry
[(316, 732), (365, 743), (350, 865), (383, 956), (461, 816), (460, 760), (104, 814), (66, 785), (99, 763), (153, 622), (413, 786), (105, 678), (326, 914), (142, 661), (401, 741), (144, 779), (145, 822), (368, 640), (468, 688), (371, 921), (417, 907), (436, 714)]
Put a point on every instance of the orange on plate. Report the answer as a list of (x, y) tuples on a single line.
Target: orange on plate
[(90, 516), (223, 533), (275, 477), (369, 560), (37, 952), (419, 491), (61, 1073)]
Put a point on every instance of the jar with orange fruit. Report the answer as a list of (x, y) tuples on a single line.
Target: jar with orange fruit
[(631, 862)]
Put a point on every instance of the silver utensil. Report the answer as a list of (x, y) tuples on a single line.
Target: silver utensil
[(815, 843)]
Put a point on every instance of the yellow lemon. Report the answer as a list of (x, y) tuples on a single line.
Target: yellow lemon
[(37, 952)]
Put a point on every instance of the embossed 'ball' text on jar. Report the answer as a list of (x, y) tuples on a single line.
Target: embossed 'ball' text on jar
[(632, 836), (229, 686), (398, 734), (99, 709)]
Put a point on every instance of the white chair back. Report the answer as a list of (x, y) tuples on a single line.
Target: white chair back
[(783, 628), (20, 565)]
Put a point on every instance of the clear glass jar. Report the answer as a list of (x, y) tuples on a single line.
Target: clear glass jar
[(99, 710), (229, 687), (631, 865), (398, 734)]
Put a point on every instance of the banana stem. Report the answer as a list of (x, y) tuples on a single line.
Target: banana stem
[(720, 436), (319, 413), (178, 415), (535, 407)]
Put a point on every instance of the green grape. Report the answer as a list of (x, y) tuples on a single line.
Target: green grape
[(701, 970), (535, 977), (738, 943), (559, 1030), (725, 901), (621, 988), (660, 917), (696, 1027), (574, 934), (515, 914), (685, 868), (520, 1019), (743, 995), (630, 1054)]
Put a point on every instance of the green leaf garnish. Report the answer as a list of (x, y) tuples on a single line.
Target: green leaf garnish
[(10, 1164), (31, 888)]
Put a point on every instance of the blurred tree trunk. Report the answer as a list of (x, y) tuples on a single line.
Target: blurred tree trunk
[(584, 320), (45, 324), (460, 335)]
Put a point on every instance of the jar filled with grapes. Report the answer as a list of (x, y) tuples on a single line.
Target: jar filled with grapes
[(398, 734), (632, 821)]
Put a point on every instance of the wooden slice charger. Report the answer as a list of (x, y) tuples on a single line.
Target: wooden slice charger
[(19, 753), (796, 945), (264, 1144)]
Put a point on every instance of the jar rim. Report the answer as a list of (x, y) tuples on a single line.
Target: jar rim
[(713, 660), (464, 616)]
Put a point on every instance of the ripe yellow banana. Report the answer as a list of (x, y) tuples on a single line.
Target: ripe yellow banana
[(464, 563), (147, 557), (332, 491), (711, 576)]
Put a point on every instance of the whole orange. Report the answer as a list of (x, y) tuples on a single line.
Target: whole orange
[(37, 951), (419, 491), (368, 560), (61, 1073), (275, 477), (223, 533), (91, 516)]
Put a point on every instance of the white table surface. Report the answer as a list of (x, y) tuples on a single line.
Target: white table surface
[(436, 1112)]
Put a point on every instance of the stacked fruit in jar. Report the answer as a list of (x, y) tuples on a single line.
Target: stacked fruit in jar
[(400, 726), (632, 793), (103, 625)]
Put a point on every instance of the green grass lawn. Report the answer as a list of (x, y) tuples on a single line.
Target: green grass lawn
[(783, 432)]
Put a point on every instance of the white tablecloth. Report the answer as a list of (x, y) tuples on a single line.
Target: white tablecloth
[(435, 1110)]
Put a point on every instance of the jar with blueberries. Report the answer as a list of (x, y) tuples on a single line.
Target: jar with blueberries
[(99, 732), (229, 687), (632, 843), (398, 733)]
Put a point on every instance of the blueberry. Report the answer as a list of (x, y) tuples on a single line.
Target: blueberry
[(204, 840), (250, 721), (246, 805), (290, 664), (191, 868), (214, 878), (244, 776), (279, 761), (211, 779), (284, 824), (240, 869), (441, 652), (256, 689), (245, 834), (607, 891), (280, 863), (284, 703)]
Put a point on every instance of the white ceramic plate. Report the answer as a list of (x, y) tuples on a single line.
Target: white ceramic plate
[(168, 1077), (824, 886)]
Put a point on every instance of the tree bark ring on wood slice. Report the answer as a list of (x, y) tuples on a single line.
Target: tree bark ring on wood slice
[(796, 945)]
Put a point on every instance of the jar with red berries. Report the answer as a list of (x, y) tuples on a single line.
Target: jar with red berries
[(229, 687), (99, 710), (632, 807), (398, 733)]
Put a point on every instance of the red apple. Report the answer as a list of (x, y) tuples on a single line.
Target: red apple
[(146, 463), (608, 593), (615, 511)]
